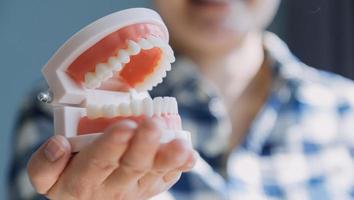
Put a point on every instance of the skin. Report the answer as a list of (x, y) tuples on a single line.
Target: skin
[(128, 162)]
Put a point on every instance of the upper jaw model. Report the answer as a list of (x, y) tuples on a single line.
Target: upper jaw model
[(101, 75)]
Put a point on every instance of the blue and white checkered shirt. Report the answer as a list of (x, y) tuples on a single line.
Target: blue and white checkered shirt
[(300, 146)]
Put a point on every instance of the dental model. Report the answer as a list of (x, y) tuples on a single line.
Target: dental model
[(101, 76)]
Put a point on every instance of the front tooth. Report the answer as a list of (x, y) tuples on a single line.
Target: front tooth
[(136, 107), (123, 56), (93, 111), (165, 106), (144, 44), (91, 81), (124, 110), (157, 102), (133, 47), (109, 111), (168, 105), (147, 107), (103, 72), (174, 105), (114, 64)]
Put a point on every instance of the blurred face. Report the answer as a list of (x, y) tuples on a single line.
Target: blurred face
[(212, 27)]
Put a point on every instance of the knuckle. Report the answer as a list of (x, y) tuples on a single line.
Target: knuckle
[(101, 165), (134, 169)]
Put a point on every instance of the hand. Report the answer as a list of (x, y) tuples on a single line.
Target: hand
[(126, 163)]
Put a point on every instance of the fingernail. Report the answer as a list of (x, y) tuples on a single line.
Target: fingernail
[(54, 149), (171, 176), (159, 123)]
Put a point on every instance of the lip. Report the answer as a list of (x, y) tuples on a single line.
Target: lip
[(209, 10), (216, 5)]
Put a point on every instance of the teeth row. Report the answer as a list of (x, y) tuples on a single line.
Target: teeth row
[(156, 77), (148, 107), (105, 71)]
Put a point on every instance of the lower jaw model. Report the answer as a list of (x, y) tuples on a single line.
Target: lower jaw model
[(101, 76)]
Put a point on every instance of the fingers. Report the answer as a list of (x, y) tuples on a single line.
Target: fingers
[(93, 164), (48, 162), (190, 163), (139, 157), (172, 155), (168, 159)]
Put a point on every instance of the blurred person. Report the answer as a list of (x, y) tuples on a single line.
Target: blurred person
[(266, 126)]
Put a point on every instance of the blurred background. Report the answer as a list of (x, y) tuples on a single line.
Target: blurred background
[(319, 32)]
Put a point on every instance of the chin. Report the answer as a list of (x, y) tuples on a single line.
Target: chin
[(218, 45)]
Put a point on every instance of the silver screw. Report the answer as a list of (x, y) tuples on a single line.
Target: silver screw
[(45, 97)]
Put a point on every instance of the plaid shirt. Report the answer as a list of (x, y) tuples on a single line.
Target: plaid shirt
[(300, 145)]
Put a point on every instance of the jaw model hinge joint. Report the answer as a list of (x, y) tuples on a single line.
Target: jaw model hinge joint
[(45, 97)]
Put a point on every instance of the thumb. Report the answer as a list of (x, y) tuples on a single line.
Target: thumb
[(48, 162)]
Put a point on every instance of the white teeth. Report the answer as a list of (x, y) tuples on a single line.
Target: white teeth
[(157, 42), (103, 72), (145, 44), (109, 111), (114, 64), (165, 108), (133, 48), (147, 107), (91, 81), (123, 56), (157, 102), (174, 105), (93, 111), (124, 109), (167, 50), (136, 107), (168, 67)]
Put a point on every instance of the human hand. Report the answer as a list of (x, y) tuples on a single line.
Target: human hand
[(126, 163)]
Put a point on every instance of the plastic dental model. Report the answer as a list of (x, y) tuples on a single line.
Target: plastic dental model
[(101, 76)]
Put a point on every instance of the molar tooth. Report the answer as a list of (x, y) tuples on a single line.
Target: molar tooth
[(114, 64), (124, 109), (109, 111), (147, 107), (123, 56), (103, 72), (168, 66), (169, 53), (136, 107), (157, 42), (157, 102), (133, 47), (144, 44), (91, 81), (93, 111)]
